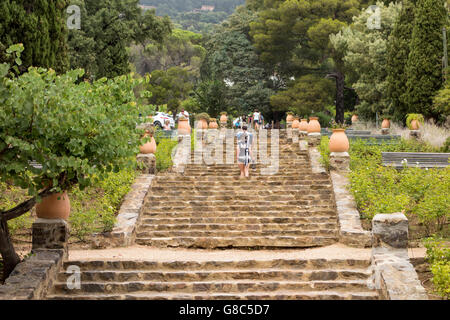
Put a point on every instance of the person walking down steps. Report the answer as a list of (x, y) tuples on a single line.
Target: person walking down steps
[(244, 151)]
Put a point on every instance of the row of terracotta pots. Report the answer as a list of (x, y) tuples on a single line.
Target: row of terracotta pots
[(313, 126)]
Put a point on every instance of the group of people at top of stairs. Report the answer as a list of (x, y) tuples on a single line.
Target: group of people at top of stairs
[(255, 121)]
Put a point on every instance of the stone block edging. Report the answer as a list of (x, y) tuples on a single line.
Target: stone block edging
[(32, 278), (394, 276), (124, 231), (351, 232)]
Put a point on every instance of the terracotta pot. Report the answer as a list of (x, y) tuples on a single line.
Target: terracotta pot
[(339, 141), (223, 118), (415, 125), (355, 118), (296, 123), (56, 206), (289, 118), (386, 124), (213, 124), (149, 147), (314, 125), (202, 124), (184, 127), (303, 125)]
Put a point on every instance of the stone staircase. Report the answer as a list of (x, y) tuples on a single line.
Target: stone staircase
[(211, 207), (280, 279)]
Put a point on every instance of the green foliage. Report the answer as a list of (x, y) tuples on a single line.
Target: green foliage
[(364, 53), (94, 209), (169, 87), (424, 67), (397, 58), (181, 49), (41, 27), (107, 28), (325, 152), (438, 255), (309, 94), (78, 132), (420, 193), (164, 154), (441, 102), (232, 58), (210, 95), (414, 116), (11, 196), (183, 14)]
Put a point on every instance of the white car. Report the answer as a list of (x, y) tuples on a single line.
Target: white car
[(160, 118)]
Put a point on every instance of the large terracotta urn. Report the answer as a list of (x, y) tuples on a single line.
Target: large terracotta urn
[(202, 124), (56, 206), (386, 124), (314, 125), (183, 126), (355, 118), (415, 125), (339, 141), (213, 124), (289, 118), (303, 125), (296, 123), (223, 118), (149, 147)]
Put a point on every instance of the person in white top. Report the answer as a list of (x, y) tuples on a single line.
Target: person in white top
[(184, 114), (257, 119)]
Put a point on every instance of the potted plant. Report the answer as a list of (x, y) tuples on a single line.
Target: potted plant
[(414, 121), (55, 206), (150, 145), (223, 117), (202, 120), (314, 125), (290, 116), (213, 123), (303, 127), (338, 140), (183, 126), (386, 124), (296, 123)]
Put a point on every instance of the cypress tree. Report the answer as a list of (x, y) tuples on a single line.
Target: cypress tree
[(424, 68), (397, 59), (41, 26)]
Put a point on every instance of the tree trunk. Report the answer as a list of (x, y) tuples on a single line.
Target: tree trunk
[(9, 255), (340, 85)]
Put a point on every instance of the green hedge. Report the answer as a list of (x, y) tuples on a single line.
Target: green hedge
[(438, 255), (420, 193), (164, 154)]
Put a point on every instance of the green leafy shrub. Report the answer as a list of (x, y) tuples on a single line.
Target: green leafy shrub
[(164, 154), (414, 116), (438, 255), (325, 152), (422, 194), (94, 209)]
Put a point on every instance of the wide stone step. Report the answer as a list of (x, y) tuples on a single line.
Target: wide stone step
[(232, 286), (236, 198), (309, 179), (191, 265), (239, 242), (293, 189), (277, 295), (270, 205), (239, 211), (214, 275), (235, 233), (241, 221), (233, 226)]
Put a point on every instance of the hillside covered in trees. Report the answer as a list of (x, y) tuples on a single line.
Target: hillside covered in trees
[(188, 14)]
